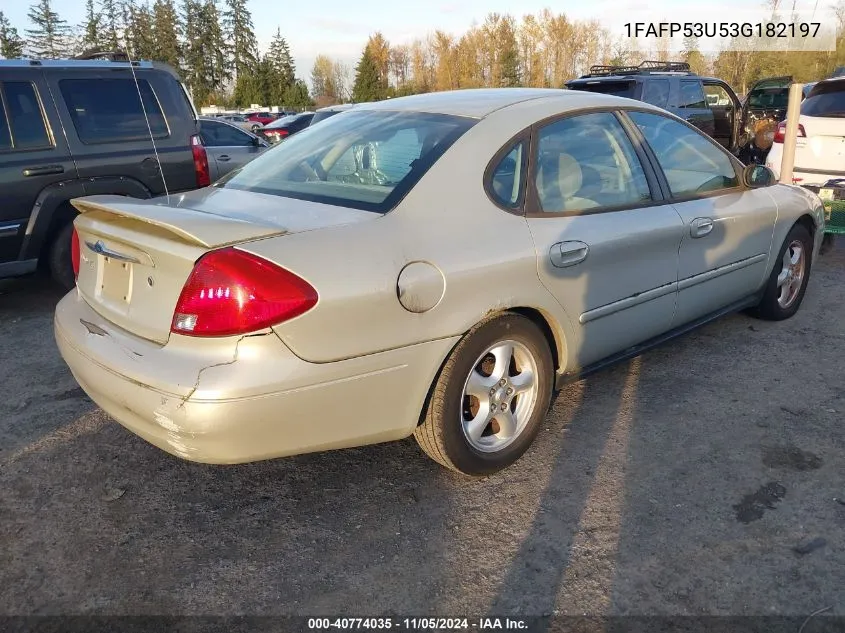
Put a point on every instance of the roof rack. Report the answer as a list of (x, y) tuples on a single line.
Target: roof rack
[(112, 56), (646, 67)]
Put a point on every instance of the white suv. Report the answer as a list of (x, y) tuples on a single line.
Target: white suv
[(820, 149)]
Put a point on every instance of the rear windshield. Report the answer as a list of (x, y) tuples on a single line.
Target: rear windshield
[(617, 88), (825, 100), (320, 116), (365, 160)]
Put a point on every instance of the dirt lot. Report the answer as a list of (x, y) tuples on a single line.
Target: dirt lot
[(680, 483)]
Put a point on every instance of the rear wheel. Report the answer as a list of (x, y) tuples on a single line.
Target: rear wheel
[(59, 258), (788, 281), (490, 398)]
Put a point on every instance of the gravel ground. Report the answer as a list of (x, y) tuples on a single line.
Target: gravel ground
[(705, 477)]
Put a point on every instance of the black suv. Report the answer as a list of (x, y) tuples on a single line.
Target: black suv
[(71, 128), (708, 103)]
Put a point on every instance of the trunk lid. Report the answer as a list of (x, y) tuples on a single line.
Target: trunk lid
[(135, 255)]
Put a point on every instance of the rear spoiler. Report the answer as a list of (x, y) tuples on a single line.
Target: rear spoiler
[(194, 227)]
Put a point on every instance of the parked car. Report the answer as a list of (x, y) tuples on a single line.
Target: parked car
[(286, 127), (228, 146), (601, 227), (260, 119), (77, 127), (329, 111), (708, 103), (821, 136)]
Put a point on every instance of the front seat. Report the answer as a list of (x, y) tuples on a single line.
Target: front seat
[(559, 181)]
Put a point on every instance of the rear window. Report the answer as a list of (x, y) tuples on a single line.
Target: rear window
[(110, 110), (320, 116), (25, 128), (616, 88), (825, 100), (366, 160)]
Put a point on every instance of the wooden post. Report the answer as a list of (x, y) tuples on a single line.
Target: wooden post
[(793, 111)]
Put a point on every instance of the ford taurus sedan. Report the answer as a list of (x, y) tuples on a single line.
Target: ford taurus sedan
[(435, 265)]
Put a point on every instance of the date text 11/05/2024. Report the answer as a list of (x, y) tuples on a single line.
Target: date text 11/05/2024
[(723, 29), (417, 624)]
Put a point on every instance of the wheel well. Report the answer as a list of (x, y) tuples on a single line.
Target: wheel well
[(808, 223), (63, 214), (555, 345)]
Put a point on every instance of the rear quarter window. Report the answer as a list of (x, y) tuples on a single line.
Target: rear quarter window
[(617, 88), (113, 110)]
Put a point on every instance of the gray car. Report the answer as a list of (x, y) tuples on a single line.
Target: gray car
[(228, 146)]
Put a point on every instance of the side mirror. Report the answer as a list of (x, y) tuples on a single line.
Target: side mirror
[(756, 176)]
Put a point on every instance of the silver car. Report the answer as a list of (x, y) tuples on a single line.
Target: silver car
[(434, 265), (228, 146)]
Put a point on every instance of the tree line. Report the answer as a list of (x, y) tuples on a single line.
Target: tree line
[(213, 45)]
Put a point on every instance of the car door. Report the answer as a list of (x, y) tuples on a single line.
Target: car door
[(228, 146), (726, 109), (606, 243), (728, 227), (33, 157), (767, 99)]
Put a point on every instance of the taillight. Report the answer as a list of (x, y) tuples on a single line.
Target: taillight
[(780, 134), (232, 292), (74, 252), (200, 162)]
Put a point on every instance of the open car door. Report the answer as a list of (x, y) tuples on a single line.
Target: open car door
[(767, 99)]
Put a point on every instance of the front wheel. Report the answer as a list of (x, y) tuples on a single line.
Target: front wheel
[(788, 282), (490, 398)]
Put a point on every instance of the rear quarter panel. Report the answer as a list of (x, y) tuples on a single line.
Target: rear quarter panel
[(793, 203)]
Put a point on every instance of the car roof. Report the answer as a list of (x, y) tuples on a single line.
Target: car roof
[(338, 108), (480, 102)]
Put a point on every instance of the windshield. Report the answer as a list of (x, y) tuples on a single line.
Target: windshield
[(825, 100), (770, 94), (365, 160)]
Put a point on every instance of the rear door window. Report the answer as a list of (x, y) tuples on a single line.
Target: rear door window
[(110, 110), (656, 92), (692, 96), (26, 119), (826, 101)]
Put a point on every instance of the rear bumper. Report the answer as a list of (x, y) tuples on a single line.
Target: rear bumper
[(243, 399)]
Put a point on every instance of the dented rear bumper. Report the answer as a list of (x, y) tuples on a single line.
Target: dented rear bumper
[(242, 399)]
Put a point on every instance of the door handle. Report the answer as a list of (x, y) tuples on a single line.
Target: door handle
[(700, 227), (46, 170), (223, 157), (568, 253)]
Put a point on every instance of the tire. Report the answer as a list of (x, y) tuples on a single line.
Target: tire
[(255, 128), (448, 410), (59, 258), (780, 301)]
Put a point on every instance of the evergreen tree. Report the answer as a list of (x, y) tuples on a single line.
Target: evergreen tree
[(110, 24), (368, 86), (139, 34), (204, 52), (11, 44), (50, 37), (296, 96), (239, 32), (90, 29), (165, 28), (283, 66), (510, 68)]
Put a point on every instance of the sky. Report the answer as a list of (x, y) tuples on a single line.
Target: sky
[(340, 28)]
